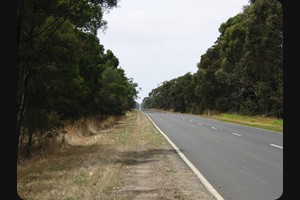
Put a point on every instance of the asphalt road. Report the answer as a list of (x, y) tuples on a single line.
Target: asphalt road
[(240, 162)]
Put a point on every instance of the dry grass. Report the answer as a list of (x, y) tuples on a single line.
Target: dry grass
[(84, 168), (263, 122), (132, 160)]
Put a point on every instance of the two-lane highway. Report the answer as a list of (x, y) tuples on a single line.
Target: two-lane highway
[(241, 163)]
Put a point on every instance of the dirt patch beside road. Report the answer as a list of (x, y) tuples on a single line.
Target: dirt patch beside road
[(132, 160)]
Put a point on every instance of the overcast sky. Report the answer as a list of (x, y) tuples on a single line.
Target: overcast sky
[(159, 40)]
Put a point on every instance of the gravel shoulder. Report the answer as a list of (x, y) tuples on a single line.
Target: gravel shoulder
[(131, 160)]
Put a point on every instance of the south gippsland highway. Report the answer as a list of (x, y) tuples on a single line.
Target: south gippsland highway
[(240, 162)]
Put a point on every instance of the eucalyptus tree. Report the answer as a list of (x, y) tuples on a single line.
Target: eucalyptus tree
[(117, 93), (242, 72), (251, 58), (208, 89), (43, 48), (264, 54)]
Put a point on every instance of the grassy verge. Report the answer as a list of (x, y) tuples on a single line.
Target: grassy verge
[(255, 121), (91, 167)]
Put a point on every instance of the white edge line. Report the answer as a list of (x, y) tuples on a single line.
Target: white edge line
[(274, 145), (205, 182)]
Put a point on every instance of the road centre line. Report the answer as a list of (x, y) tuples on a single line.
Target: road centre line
[(274, 145), (236, 134)]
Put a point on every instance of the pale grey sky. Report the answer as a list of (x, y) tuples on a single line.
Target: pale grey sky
[(158, 40)]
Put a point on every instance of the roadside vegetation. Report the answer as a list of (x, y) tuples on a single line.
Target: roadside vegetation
[(241, 73), (263, 122), (128, 160), (64, 73), (87, 166)]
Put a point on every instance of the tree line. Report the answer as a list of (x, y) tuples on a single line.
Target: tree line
[(63, 72), (241, 73)]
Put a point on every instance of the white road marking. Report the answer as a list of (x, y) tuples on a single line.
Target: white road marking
[(190, 121), (214, 127), (274, 145), (205, 182), (236, 134), (200, 124)]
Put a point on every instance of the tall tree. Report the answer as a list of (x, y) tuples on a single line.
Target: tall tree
[(39, 23), (242, 72)]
